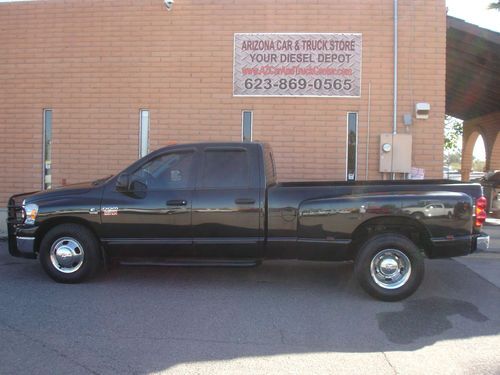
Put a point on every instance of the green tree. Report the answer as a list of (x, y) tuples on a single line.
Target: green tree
[(477, 165), (453, 130), (495, 5)]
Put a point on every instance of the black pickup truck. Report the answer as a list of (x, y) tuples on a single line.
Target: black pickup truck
[(220, 204)]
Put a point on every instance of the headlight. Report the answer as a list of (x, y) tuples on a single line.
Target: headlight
[(31, 210)]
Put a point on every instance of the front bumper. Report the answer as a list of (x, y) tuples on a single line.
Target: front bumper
[(21, 240), (20, 245), (25, 245)]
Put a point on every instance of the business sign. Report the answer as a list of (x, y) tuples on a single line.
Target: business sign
[(302, 64)]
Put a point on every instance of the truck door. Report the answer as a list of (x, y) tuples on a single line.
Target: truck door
[(227, 210), (153, 217)]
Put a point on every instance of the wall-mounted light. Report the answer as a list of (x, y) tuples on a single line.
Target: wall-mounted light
[(169, 4), (422, 110)]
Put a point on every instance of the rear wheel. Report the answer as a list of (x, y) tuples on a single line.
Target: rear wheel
[(69, 253), (389, 267)]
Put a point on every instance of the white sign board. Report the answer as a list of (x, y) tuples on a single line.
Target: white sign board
[(302, 64)]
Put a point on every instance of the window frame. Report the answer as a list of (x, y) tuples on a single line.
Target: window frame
[(243, 125), (44, 142), (141, 132), (355, 146)]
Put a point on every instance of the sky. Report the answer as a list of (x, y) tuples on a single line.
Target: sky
[(476, 12), (479, 151)]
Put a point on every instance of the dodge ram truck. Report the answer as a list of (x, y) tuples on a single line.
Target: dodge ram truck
[(219, 204)]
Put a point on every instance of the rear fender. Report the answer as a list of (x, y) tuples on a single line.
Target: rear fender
[(336, 219)]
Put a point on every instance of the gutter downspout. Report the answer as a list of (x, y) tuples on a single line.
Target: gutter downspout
[(395, 89), (368, 128)]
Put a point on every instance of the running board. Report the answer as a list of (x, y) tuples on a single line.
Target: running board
[(189, 262)]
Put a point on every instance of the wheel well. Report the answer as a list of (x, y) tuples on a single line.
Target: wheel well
[(49, 224), (408, 227)]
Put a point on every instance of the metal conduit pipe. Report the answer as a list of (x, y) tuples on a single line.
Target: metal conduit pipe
[(395, 89)]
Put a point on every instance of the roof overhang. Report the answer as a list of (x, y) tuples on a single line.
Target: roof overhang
[(472, 70)]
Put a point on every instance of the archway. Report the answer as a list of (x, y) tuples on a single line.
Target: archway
[(488, 127), (479, 155), (493, 158), (469, 141)]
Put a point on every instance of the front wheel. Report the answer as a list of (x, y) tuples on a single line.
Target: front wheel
[(69, 253), (389, 267)]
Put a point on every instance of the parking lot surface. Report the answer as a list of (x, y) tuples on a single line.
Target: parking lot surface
[(280, 318)]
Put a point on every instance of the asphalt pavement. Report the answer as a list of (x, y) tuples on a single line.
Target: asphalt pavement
[(486, 263), (492, 227), (279, 318)]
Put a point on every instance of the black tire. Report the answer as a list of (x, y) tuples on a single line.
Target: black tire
[(389, 246), (76, 240)]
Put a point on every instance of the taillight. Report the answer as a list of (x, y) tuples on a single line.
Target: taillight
[(480, 211)]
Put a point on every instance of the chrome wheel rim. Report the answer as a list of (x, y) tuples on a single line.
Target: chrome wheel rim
[(66, 255), (390, 269)]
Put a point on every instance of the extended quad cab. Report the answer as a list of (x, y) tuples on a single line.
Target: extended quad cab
[(220, 204)]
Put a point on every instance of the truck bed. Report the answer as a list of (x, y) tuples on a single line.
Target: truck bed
[(315, 217)]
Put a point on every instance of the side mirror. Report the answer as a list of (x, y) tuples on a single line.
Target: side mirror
[(138, 189), (122, 182), (138, 186)]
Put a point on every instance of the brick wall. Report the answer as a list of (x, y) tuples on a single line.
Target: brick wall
[(96, 63)]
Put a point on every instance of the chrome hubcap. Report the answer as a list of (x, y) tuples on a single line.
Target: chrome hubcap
[(390, 268), (66, 255)]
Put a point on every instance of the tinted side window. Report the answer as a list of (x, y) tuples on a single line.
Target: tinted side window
[(225, 168), (169, 171)]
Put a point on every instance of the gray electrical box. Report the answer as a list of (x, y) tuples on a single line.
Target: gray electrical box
[(395, 153)]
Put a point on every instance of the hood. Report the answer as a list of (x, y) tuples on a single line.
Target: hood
[(73, 189)]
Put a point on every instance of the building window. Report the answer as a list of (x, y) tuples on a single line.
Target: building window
[(246, 126), (47, 149), (143, 132), (352, 146)]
